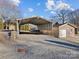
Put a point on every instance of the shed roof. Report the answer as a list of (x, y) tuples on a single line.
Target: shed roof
[(72, 25), (35, 20)]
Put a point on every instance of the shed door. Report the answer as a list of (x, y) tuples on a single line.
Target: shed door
[(62, 33)]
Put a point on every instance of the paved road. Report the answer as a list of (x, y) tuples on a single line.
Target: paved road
[(64, 44)]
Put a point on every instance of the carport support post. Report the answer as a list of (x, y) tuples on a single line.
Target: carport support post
[(17, 24)]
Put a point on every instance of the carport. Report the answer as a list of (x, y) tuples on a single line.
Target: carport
[(43, 25)]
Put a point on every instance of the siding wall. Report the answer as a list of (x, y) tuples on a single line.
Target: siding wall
[(12, 27), (46, 28)]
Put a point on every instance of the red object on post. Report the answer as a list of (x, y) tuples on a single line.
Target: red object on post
[(22, 50)]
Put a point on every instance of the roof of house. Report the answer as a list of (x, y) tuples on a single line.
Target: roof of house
[(10, 22), (56, 24)]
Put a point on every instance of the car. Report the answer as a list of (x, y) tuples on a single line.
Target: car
[(36, 31)]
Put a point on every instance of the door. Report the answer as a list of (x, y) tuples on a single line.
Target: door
[(62, 33)]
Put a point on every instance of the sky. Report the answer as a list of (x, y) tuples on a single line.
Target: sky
[(42, 8), (45, 8)]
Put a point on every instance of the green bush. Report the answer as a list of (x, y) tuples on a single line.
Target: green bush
[(1, 25)]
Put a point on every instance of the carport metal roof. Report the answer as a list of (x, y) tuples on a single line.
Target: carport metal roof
[(35, 20)]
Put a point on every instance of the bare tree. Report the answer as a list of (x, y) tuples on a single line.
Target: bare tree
[(74, 17), (61, 16), (7, 13), (9, 9)]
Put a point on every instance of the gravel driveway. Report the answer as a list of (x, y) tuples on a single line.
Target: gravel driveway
[(35, 49)]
